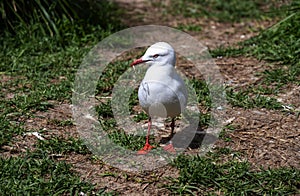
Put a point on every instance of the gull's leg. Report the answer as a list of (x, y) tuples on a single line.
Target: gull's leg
[(147, 146), (170, 147)]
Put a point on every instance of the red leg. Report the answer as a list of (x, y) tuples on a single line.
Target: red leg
[(147, 146), (170, 148)]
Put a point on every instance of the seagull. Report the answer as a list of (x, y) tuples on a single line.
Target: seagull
[(162, 92)]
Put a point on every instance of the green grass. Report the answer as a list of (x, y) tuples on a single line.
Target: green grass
[(279, 43), (42, 63), (42, 67), (203, 175), (128, 141), (39, 175), (48, 18), (190, 27), (224, 11), (57, 145), (8, 128), (245, 100), (224, 133), (117, 135), (36, 73), (110, 76)]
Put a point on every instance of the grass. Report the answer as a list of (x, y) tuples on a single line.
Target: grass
[(128, 141), (48, 18), (229, 11), (39, 175), (110, 75), (34, 67), (57, 145), (193, 28), (41, 66), (244, 100), (279, 43), (202, 175), (117, 135), (10, 129)]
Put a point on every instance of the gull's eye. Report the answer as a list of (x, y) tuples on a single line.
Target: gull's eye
[(155, 56)]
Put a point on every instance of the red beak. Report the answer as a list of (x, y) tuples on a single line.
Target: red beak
[(137, 61)]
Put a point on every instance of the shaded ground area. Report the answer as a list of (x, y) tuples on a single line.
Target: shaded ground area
[(211, 33)]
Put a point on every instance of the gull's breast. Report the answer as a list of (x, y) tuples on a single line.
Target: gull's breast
[(160, 99)]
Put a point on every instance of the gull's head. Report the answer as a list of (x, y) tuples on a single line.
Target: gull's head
[(160, 53)]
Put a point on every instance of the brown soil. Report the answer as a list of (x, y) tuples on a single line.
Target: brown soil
[(265, 138)]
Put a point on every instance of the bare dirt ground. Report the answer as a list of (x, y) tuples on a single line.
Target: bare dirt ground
[(264, 137)]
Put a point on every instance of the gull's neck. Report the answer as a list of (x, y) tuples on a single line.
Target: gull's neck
[(159, 72)]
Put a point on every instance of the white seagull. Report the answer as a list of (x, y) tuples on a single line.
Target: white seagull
[(162, 92)]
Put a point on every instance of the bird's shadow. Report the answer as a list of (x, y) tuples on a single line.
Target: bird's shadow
[(200, 138)]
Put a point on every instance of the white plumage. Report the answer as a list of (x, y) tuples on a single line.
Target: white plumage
[(162, 92)]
